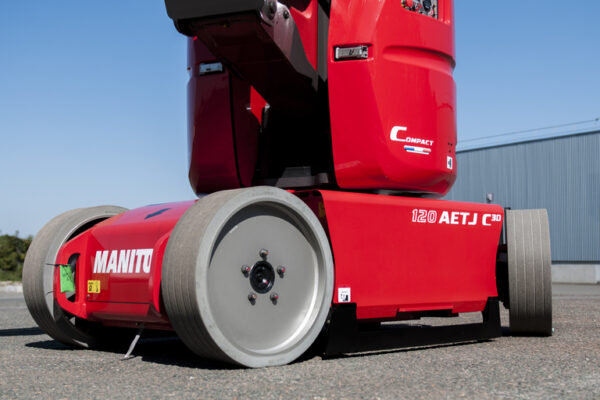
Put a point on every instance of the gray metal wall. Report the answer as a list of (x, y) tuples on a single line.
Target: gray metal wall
[(560, 174)]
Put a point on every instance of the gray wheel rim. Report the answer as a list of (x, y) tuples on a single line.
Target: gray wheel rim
[(263, 326)]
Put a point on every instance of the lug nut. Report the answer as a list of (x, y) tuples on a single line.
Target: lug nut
[(281, 271), (263, 253), (286, 14), (274, 298), (246, 270), (252, 298)]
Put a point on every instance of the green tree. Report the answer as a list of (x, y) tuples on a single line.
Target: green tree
[(12, 255)]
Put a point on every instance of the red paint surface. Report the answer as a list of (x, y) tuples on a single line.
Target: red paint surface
[(257, 105), (406, 81), (305, 19), (133, 297), (390, 263), (395, 265), (222, 132)]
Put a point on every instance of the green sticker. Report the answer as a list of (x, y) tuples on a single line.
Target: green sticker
[(66, 279)]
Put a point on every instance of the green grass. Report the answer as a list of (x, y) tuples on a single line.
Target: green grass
[(14, 276)]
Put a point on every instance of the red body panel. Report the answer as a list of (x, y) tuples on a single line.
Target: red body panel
[(391, 260), (222, 132), (133, 296), (306, 21), (393, 114), (406, 254)]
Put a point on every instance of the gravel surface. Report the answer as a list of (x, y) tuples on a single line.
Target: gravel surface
[(566, 365)]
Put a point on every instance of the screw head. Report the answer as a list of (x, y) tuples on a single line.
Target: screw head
[(281, 270), (252, 298), (286, 14), (263, 253), (246, 270), (274, 297)]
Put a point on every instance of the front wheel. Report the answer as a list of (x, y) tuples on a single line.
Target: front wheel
[(248, 277), (38, 276)]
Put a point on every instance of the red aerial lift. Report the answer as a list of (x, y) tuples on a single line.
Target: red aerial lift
[(320, 134)]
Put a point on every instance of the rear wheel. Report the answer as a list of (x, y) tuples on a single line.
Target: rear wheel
[(38, 276), (248, 277), (529, 272)]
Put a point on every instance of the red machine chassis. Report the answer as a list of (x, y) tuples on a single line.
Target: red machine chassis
[(118, 272)]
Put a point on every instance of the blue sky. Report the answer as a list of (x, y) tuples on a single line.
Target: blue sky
[(92, 94)]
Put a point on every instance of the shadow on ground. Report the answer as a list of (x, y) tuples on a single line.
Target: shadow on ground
[(164, 350), (21, 332), (169, 350)]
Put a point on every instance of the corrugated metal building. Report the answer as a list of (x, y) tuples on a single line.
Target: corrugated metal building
[(560, 173)]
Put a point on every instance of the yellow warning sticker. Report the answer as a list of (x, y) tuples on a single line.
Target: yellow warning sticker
[(93, 286)]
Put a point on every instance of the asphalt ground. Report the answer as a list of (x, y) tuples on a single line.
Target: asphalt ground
[(566, 365)]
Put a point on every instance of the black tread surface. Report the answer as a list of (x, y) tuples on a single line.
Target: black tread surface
[(178, 281), (529, 272), (37, 283)]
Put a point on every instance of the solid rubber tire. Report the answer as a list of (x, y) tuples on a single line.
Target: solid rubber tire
[(38, 277), (188, 257), (529, 272)]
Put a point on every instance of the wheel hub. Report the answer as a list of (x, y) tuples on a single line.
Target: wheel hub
[(262, 277)]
